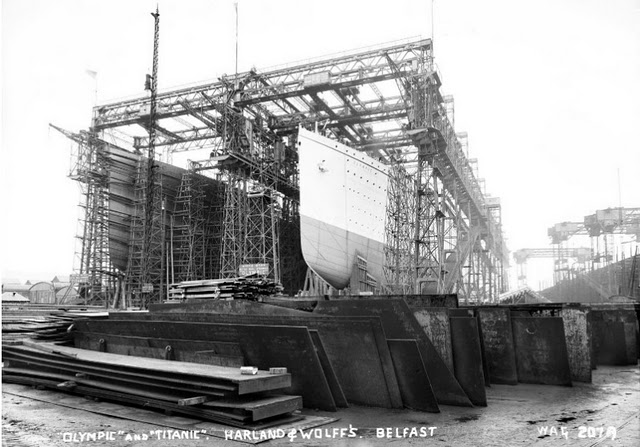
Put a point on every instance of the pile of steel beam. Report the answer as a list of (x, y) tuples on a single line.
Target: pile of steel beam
[(42, 322), (363, 352), (220, 394), (243, 287), (418, 352)]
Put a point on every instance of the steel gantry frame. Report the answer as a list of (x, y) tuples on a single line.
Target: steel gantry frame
[(607, 230), (560, 254), (600, 227), (443, 235)]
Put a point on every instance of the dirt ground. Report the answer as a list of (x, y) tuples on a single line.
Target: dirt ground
[(604, 413)]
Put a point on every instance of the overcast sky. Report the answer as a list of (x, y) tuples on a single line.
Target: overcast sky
[(548, 91)]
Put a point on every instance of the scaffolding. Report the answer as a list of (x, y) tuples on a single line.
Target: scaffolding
[(188, 249), (398, 265), (251, 211), (237, 210), (145, 277), (96, 277), (214, 212)]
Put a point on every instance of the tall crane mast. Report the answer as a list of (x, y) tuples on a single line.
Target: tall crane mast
[(153, 199)]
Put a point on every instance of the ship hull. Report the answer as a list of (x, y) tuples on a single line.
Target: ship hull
[(331, 252), (342, 209)]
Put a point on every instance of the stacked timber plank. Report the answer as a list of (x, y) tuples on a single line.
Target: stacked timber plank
[(220, 394), (249, 287)]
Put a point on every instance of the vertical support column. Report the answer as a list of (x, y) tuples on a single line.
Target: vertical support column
[(399, 269), (233, 226), (188, 232)]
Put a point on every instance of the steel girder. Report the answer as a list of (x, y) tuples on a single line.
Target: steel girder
[(285, 97), (380, 101)]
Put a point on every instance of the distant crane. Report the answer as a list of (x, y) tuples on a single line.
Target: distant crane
[(600, 227), (582, 255)]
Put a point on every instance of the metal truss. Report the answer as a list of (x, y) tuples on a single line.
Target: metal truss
[(399, 264), (443, 235), (213, 243), (146, 278), (600, 227), (251, 243), (261, 247), (188, 230), (233, 225)]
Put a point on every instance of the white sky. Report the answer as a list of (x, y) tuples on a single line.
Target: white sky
[(548, 91)]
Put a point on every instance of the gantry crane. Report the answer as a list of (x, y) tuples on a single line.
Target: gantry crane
[(559, 254)]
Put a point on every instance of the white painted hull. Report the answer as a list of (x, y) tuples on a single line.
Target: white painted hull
[(342, 208), (331, 252)]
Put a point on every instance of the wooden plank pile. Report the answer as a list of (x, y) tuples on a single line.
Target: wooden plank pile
[(214, 393), (249, 287)]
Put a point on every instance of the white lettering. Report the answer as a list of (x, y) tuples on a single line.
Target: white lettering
[(612, 431), (582, 432)]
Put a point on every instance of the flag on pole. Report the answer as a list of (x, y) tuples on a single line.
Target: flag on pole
[(91, 73)]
